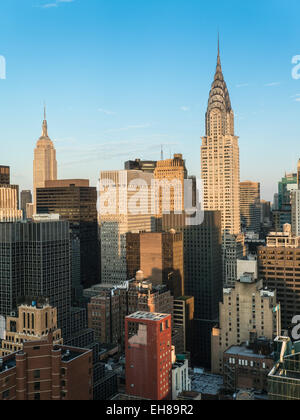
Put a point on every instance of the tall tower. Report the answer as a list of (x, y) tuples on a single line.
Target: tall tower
[(44, 164), (220, 164)]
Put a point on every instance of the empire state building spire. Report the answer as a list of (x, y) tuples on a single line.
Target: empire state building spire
[(45, 125)]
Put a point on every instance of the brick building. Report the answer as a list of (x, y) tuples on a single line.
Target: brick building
[(43, 371)]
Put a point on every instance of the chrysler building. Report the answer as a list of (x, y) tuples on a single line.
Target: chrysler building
[(220, 165)]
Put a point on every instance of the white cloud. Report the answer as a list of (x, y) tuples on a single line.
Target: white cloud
[(106, 111)]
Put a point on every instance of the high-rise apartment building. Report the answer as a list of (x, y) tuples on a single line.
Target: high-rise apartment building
[(148, 355), (4, 175), (220, 164), (203, 280), (44, 164), (47, 372), (76, 202), (34, 322), (160, 256), (35, 262), (279, 268), (250, 206), (122, 211)]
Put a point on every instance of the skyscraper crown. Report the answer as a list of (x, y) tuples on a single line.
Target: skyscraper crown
[(219, 99)]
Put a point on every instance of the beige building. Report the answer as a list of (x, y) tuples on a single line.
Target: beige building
[(123, 208), (246, 313), (9, 211), (170, 170), (44, 164), (220, 163), (250, 206), (34, 322)]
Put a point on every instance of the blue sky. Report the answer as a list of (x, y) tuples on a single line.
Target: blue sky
[(122, 77)]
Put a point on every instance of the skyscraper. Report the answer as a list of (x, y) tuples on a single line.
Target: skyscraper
[(203, 280), (44, 164), (160, 256), (4, 175), (76, 202), (35, 262), (26, 198), (220, 163), (250, 206), (120, 214)]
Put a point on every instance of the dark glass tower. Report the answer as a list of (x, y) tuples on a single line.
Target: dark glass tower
[(203, 280), (76, 202), (35, 262)]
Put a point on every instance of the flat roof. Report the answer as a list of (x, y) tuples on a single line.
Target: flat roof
[(245, 351), (206, 383), (148, 316)]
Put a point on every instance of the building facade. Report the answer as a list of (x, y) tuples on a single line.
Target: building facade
[(148, 355), (250, 206), (47, 372)]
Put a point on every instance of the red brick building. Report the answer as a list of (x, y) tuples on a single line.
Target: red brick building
[(148, 355), (43, 371)]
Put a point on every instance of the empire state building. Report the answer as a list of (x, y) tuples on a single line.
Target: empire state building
[(44, 164), (220, 163)]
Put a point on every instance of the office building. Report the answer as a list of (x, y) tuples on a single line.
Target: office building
[(4, 175), (169, 176), (279, 268), (203, 281), (250, 206), (183, 316), (76, 202), (160, 256), (181, 381), (9, 210), (295, 201), (26, 199), (33, 322), (148, 355), (122, 211), (35, 262)]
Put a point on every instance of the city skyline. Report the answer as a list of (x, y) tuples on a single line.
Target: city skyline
[(129, 98)]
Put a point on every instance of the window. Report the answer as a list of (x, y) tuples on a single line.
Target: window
[(37, 397), (37, 386), (37, 374)]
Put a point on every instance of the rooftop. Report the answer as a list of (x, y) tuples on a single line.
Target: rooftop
[(245, 352), (148, 316), (206, 383)]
